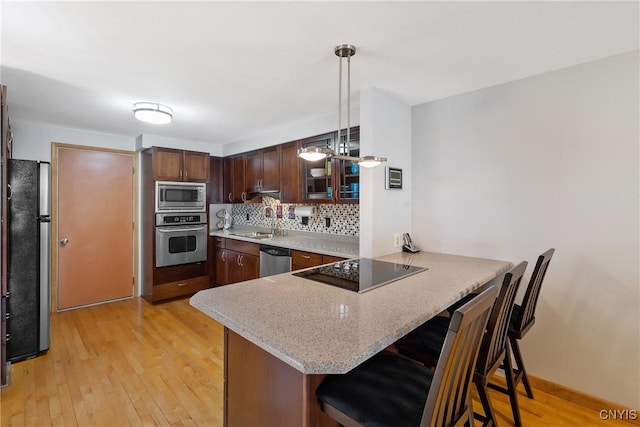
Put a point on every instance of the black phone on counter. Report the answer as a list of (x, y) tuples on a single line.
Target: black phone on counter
[(408, 244)]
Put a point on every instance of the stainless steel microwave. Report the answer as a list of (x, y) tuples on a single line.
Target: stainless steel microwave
[(181, 196)]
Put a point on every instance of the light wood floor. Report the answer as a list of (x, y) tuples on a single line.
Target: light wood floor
[(131, 363)]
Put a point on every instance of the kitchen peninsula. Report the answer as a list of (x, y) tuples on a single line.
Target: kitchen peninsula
[(284, 334)]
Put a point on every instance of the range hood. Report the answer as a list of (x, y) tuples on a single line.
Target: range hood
[(271, 193)]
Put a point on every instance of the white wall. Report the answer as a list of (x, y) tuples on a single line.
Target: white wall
[(548, 161), (385, 131), (32, 140)]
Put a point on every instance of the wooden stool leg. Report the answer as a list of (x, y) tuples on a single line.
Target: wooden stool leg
[(520, 366), (489, 418), (511, 387)]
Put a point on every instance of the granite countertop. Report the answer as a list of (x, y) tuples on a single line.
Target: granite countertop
[(322, 243), (322, 329)]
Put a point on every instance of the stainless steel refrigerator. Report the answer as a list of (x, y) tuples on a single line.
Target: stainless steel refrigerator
[(29, 242)]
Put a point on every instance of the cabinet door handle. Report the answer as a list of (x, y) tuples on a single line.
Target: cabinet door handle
[(231, 197), (260, 182), (243, 196), (180, 174), (224, 256), (305, 256), (182, 284)]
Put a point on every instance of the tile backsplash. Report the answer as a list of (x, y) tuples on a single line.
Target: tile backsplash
[(344, 219)]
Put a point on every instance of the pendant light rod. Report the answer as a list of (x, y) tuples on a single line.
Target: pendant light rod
[(344, 51)]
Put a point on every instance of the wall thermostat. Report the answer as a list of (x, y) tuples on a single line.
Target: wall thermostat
[(393, 178)]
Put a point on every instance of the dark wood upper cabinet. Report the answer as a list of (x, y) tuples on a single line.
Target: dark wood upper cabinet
[(216, 180), (290, 184), (253, 170), (227, 167), (278, 168), (262, 169), (237, 188), (271, 168), (170, 164), (319, 188), (196, 166), (167, 164)]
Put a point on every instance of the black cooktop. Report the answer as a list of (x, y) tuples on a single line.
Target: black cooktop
[(360, 275)]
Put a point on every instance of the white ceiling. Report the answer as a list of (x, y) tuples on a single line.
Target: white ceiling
[(233, 70)]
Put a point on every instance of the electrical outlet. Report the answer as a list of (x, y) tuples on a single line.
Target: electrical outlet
[(327, 222), (247, 217), (397, 240)]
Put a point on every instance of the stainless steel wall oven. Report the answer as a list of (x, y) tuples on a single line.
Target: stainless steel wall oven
[(181, 238)]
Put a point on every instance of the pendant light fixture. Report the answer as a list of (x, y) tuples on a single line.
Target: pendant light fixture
[(316, 153), (152, 112)]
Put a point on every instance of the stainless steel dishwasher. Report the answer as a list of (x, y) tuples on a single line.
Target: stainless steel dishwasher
[(274, 260)]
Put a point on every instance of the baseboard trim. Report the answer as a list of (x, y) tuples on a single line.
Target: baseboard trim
[(595, 403)]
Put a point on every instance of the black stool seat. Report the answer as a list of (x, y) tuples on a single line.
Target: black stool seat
[(429, 338), (399, 382), (392, 390)]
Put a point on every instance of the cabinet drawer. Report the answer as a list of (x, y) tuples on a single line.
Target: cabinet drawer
[(244, 247), (219, 242), (326, 259), (180, 288), (305, 259)]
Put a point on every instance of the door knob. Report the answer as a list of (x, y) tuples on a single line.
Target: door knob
[(64, 242)]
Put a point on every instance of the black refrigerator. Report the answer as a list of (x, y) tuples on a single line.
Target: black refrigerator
[(29, 258)]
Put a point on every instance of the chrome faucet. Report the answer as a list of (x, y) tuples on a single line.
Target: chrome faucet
[(271, 203)]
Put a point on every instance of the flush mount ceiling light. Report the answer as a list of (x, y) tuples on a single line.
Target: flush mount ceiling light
[(317, 153), (152, 112)]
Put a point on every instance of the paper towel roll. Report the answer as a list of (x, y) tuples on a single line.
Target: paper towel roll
[(305, 210)]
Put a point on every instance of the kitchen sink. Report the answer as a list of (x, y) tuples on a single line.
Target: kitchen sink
[(254, 234)]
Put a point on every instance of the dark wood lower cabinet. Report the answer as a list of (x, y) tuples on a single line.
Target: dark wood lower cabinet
[(303, 259), (236, 261), (241, 266), (262, 390), (176, 281)]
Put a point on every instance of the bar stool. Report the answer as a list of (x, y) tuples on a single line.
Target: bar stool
[(392, 390), (425, 345), (523, 318)]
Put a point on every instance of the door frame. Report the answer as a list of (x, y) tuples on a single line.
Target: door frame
[(54, 215)]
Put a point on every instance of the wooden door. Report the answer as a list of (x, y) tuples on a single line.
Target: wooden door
[(290, 183), (196, 166), (167, 164), (271, 168), (93, 196)]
